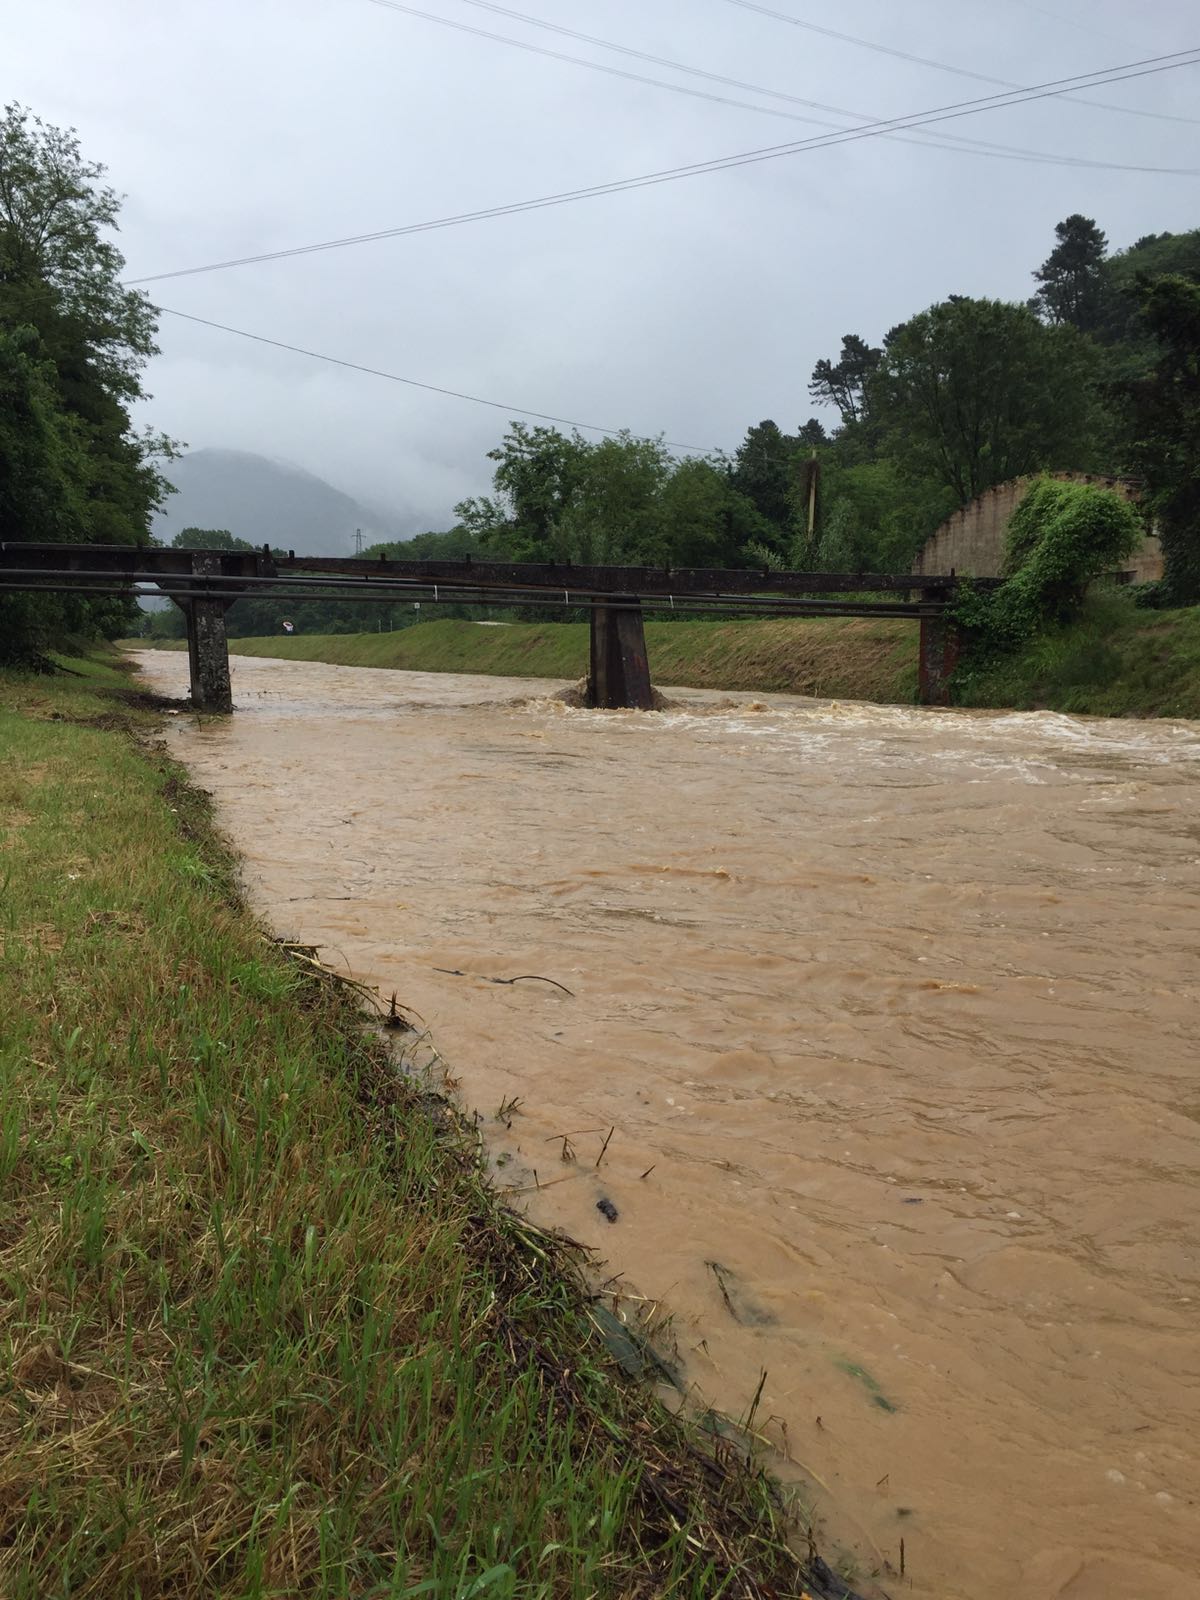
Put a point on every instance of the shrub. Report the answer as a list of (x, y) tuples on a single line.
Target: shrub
[(1061, 538)]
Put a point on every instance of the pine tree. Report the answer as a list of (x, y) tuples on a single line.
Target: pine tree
[(1071, 278)]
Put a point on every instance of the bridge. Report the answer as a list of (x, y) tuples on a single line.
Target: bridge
[(205, 583)]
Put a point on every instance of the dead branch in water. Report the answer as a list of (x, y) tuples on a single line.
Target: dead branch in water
[(523, 977), (604, 1147), (393, 1014)]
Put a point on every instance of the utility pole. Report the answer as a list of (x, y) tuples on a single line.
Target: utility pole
[(358, 541), (813, 472)]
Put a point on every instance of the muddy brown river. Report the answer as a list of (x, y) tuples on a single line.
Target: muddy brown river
[(895, 1014)]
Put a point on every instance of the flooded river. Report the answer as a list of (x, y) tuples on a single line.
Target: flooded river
[(896, 1015)]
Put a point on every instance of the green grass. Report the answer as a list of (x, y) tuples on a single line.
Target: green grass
[(264, 1330), (1116, 660), (854, 658)]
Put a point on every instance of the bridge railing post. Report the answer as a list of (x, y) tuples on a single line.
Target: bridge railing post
[(618, 671)]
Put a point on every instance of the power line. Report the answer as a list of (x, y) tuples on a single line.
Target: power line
[(415, 383), (1071, 22), (1149, 67), (924, 61), (980, 146)]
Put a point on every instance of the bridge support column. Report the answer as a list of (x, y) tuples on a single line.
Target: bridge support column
[(941, 641), (208, 646), (619, 674)]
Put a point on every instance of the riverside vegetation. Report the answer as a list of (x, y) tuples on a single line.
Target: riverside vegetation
[(265, 1328)]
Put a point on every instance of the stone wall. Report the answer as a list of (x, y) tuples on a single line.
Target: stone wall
[(972, 540)]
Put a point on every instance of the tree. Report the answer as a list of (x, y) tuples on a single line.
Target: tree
[(844, 383), (813, 434), (536, 479), (973, 392), (1162, 412), (43, 477), (1071, 278), (616, 501), (210, 539), (703, 520), (1126, 274), (58, 270), (43, 470), (614, 515), (881, 517), (763, 472), (83, 341)]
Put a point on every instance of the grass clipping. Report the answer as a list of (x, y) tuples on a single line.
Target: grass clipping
[(264, 1329)]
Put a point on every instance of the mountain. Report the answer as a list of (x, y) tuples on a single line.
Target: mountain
[(267, 502)]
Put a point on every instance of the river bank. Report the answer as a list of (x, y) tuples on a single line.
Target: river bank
[(1116, 661), (892, 1012), (266, 1327)]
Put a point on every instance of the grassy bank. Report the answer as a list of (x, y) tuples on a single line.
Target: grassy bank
[(849, 658), (264, 1331), (1116, 660)]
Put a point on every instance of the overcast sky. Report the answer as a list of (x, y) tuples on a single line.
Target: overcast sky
[(690, 309)]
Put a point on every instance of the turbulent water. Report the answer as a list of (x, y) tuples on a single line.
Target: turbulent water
[(895, 1015)]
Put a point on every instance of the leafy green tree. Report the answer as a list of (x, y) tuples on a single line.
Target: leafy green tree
[(841, 547), (881, 515), (537, 477), (764, 471), (454, 545), (618, 501), (703, 520), (43, 477), (614, 514), (88, 337), (43, 468), (1163, 418), (209, 539), (1132, 345), (973, 392), (812, 434), (61, 274), (1071, 279), (845, 383)]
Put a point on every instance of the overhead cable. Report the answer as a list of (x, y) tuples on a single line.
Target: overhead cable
[(925, 61), (945, 141), (1147, 68), (415, 383)]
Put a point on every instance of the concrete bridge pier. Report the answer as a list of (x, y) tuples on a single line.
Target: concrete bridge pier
[(619, 674), (208, 645), (941, 641)]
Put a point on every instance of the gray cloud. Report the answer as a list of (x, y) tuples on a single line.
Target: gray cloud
[(691, 309)]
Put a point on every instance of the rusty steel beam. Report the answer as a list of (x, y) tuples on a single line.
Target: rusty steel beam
[(393, 591), (549, 576), (635, 581)]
